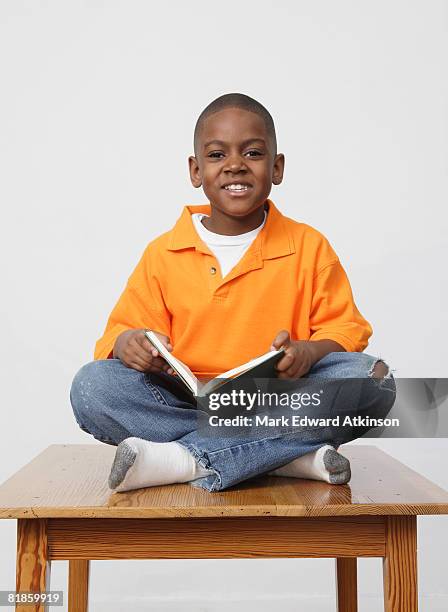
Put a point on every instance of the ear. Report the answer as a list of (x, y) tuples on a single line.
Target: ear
[(195, 173), (278, 169)]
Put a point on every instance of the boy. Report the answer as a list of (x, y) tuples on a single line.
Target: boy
[(231, 280)]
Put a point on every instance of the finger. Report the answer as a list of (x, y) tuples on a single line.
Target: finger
[(142, 364), (159, 363), (281, 339), (155, 368), (293, 372), (138, 355), (167, 343), (135, 366), (137, 350), (152, 349), (285, 362), (151, 356), (284, 376), (167, 368), (143, 342), (164, 340), (163, 370), (295, 366)]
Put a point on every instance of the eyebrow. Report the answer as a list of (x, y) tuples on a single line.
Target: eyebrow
[(244, 143)]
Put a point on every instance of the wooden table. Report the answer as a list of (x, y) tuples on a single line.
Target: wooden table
[(66, 511)]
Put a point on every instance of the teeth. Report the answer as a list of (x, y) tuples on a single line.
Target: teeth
[(236, 187)]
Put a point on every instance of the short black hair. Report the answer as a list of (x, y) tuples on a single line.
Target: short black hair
[(236, 100)]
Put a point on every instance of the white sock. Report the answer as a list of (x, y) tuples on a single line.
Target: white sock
[(139, 463), (325, 464)]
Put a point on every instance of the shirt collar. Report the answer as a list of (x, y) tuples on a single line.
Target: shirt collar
[(274, 238)]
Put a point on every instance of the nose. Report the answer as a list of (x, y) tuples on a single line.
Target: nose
[(235, 163)]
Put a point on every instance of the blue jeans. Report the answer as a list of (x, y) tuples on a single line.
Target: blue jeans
[(112, 402)]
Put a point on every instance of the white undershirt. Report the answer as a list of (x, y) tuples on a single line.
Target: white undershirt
[(228, 250)]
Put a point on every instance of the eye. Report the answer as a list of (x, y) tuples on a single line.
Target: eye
[(255, 152), (214, 154)]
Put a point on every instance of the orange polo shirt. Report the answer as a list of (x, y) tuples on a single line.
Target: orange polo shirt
[(289, 278)]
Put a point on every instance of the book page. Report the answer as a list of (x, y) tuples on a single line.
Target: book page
[(184, 372), (238, 371), (248, 366)]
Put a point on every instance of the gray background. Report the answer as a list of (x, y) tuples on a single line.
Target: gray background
[(97, 112)]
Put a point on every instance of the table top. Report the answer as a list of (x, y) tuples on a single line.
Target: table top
[(70, 480)]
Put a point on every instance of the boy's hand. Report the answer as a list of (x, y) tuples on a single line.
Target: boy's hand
[(298, 359), (134, 349)]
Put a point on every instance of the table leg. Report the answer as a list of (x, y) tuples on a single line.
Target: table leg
[(346, 584), (78, 585), (400, 565), (33, 565)]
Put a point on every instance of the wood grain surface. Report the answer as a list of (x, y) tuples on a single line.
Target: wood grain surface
[(71, 481), (32, 565), (400, 565), (78, 585), (346, 584), (212, 538)]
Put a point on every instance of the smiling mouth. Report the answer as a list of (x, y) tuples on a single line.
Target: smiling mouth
[(237, 188)]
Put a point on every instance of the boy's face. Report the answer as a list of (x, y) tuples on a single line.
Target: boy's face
[(234, 149)]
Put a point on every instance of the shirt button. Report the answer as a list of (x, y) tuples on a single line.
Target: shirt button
[(212, 270)]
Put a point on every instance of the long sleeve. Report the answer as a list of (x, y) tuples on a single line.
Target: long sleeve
[(140, 305), (334, 315)]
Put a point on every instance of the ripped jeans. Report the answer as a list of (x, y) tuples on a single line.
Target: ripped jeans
[(112, 402)]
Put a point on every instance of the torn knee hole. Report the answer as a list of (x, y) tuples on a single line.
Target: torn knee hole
[(379, 370)]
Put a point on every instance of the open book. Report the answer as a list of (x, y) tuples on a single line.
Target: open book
[(260, 367)]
